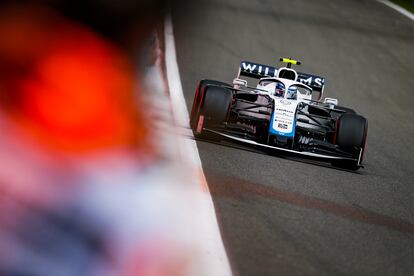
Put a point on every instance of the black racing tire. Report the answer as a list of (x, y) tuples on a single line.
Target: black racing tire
[(214, 109), (351, 135), (216, 105), (195, 111)]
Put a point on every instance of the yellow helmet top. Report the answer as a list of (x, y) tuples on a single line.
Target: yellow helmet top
[(290, 61)]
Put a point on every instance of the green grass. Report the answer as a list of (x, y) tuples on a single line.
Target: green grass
[(406, 4)]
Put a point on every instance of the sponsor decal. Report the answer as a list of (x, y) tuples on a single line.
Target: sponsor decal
[(319, 81), (283, 119), (284, 126), (312, 81), (248, 67), (258, 69), (261, 70), (307, 81)]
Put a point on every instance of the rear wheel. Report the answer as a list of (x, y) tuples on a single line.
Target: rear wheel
[(351, 135), (213, 108)]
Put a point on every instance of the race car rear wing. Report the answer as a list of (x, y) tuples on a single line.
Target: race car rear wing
[(257, 71)]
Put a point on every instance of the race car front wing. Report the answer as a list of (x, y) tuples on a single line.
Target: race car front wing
[(295, 152)]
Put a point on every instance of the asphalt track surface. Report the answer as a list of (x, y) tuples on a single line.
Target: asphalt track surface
[(280, 216)]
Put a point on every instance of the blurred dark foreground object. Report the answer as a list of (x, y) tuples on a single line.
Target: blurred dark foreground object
[(65, 84), (77, 165), (110, 18)]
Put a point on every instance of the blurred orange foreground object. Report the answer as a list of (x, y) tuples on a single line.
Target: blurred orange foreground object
[(65, 85)]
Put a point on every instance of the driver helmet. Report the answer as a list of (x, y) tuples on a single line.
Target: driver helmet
[(280, 89), (292, 93)]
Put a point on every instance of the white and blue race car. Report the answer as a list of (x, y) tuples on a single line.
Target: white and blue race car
[(282, 113)]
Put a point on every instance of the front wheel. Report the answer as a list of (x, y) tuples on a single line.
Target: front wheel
[(202, 86), (213, 108), (351, 135)]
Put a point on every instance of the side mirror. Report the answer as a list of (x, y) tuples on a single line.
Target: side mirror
[(237, 83), (331, 101)]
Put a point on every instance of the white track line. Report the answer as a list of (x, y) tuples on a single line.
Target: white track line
[(398, 8), (180, 113), (215, 257)]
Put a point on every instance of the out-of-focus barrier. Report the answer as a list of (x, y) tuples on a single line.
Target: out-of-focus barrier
[(89, 183), (65, 85)]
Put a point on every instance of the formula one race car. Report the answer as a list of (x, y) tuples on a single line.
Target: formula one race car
[(283, 113)]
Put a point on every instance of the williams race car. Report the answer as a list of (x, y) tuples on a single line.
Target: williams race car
[(284, 112)]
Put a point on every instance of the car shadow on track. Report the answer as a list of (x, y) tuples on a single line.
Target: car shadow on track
[(277, 154)]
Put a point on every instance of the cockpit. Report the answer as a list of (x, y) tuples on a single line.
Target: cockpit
[(291, 92), (278, 89)]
